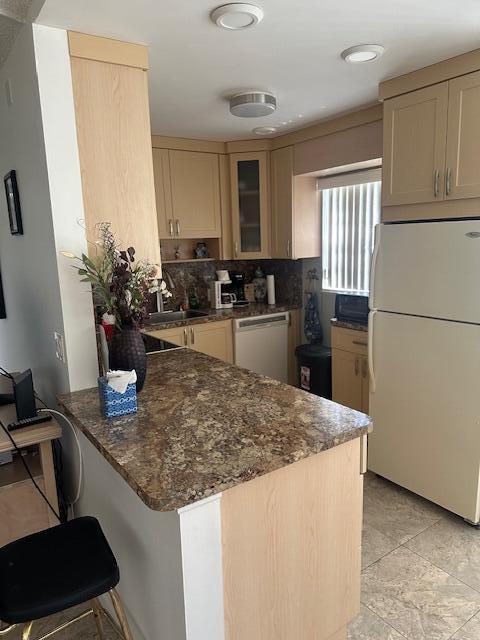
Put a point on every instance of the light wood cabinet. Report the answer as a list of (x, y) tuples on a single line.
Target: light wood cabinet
[(187, 186), (431, 138), (249, 176), (177, 335), (350, 377), (415, 126), (213, 338), (463, 139), (114, 142), (295, 211)]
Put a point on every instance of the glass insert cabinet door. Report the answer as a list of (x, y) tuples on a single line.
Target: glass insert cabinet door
[(250, 205)]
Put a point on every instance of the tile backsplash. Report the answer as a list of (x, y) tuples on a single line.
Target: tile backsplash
[(196, 276)]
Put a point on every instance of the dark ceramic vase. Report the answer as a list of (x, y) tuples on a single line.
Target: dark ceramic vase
[(127, 352)]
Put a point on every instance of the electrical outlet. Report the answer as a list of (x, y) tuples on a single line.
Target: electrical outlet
[(59, 347)]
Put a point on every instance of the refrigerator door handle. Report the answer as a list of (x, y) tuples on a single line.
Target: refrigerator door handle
[(371, 367), (373, 267)]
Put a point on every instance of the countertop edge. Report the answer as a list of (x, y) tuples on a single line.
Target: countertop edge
[(164, 506)]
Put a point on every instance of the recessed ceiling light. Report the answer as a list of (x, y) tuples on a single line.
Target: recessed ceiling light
[(237, 15), (252, 104), (264, 131), (363, 53)]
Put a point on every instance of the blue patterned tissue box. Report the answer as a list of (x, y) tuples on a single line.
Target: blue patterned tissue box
[(114, 404)]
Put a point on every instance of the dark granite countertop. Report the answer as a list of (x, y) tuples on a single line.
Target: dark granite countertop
[(253, 309), (348, 325), (204, 426)]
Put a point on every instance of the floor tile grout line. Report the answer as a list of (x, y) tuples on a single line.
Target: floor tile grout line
[(381, 557), (383, 620), (463, 625), (444, 571)]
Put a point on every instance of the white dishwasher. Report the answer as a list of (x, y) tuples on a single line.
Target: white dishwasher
[(261, 344)]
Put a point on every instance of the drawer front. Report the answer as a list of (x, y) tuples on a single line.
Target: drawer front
[(350, 340)]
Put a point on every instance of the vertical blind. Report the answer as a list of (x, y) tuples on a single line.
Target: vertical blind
[(349, 215)]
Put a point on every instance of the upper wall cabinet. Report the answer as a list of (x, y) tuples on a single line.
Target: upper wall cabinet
[(463, 139), (249, 174), (431, 142), (117, 171), (415, 127), (187, 185), (295, 215)]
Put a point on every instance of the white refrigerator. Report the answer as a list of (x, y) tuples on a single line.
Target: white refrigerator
[(424, 359)]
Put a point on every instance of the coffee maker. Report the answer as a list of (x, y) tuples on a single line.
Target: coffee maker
[(221, 295), (238, 287)]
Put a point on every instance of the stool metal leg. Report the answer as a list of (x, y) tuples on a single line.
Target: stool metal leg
[(27, 630), (97, 613), (120, 611)]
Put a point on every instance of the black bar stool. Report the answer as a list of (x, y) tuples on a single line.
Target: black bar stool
[(53, 570)]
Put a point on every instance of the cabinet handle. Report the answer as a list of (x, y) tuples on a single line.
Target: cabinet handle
[(357, 366), (364, 368), (361, 343), (185, 337), (170, 225), (235, 249), (177, 222), (448, 181), (288, 248), (192, 335), (436, 179)]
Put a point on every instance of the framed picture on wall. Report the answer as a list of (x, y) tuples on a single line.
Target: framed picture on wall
[(13, 203)]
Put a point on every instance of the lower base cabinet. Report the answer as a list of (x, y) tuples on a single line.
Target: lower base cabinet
[(213, 338), (350, 378)]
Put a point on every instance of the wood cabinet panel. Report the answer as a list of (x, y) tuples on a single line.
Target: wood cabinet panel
[(365, 385), (163, 193), (285, 536), (282, 202), (114, 141), (177, 335), (347, 379), (295, 215), (350, 340), (213, 338), (195, 184), (463, 139), (415, 128)]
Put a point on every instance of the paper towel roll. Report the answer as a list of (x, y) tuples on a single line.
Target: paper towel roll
[(271, 289)]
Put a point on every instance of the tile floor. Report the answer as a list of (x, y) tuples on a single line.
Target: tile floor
[(421, 569), (420, 579)]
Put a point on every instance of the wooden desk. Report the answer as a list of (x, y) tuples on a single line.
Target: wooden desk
[(22, 508)]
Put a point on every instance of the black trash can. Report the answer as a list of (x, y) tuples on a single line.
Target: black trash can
[(314, 367)]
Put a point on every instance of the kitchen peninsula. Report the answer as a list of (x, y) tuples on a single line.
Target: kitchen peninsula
[(232, 501)]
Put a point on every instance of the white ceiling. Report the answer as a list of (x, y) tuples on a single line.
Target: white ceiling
[(294, 52)]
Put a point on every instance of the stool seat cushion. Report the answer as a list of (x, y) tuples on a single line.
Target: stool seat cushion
[(55, 569)]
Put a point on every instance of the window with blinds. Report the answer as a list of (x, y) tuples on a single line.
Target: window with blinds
[(349, 215)]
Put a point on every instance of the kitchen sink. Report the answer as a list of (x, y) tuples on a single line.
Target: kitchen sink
[(175, 316)]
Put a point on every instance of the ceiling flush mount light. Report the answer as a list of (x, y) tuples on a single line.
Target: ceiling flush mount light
[(264, 131), (252, 104), (363, 53), (237, 15)]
